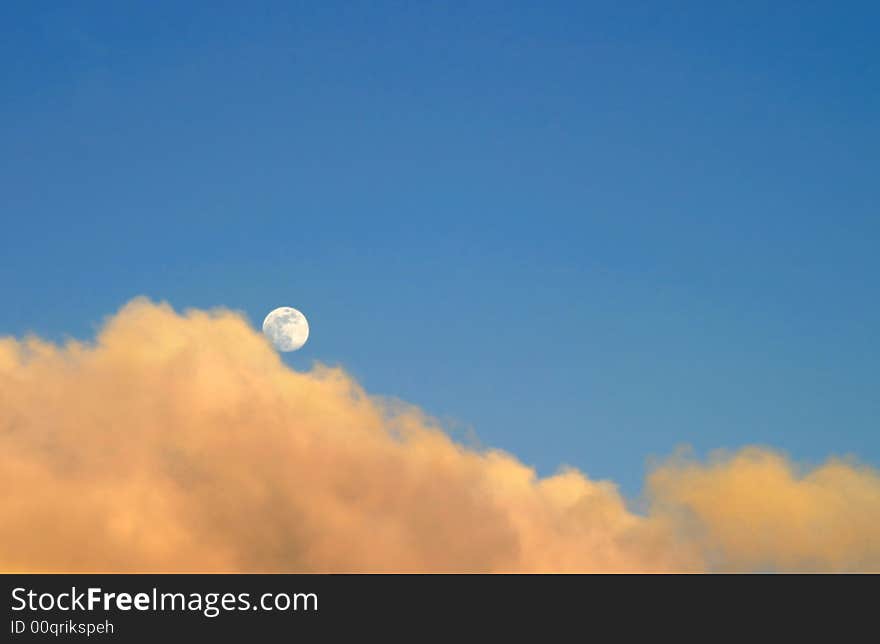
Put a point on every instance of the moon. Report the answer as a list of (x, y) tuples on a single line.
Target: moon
[(286, 328)]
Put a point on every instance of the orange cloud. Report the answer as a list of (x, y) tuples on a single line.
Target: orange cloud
[(183, 443), (755, 511)]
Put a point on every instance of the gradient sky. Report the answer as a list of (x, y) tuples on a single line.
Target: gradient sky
[(590, 232)]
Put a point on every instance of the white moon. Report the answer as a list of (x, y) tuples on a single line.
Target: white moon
[(286, 328)]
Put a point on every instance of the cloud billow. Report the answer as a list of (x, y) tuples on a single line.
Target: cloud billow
[(183, 443)]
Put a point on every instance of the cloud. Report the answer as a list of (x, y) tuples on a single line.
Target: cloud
[(756, 510), (183, 443)]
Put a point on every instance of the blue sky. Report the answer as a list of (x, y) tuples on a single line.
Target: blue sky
[(591, 232)]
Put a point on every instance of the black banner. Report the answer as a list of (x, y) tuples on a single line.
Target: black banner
[(149, 607)]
